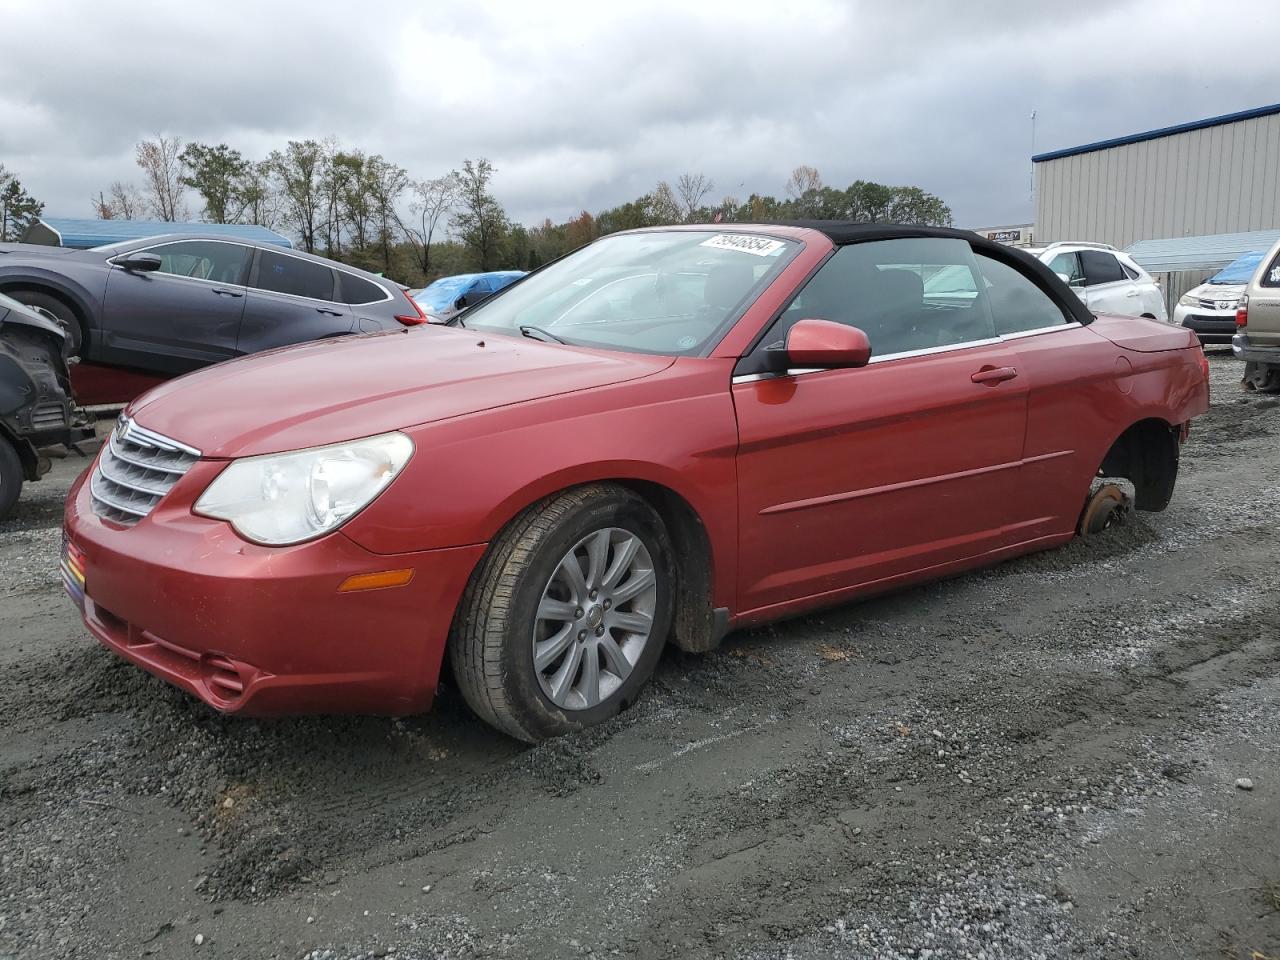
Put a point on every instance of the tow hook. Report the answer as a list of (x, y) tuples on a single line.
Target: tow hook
[(1107, 506)]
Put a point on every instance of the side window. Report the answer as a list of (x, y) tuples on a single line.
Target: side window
[(1100, 267), (1016, 303), (1271, 275), (203, 260), (281, 273), (1129, 272), (353, 289), (1068, 265), (911, 294), (481, 285)]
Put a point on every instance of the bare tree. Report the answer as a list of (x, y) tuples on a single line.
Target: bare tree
[(432, 202), (802, 180), (122, 201), (162, 168), (102, 207), (691, 188)]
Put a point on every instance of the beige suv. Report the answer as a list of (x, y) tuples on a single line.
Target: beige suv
[(1257, 341)]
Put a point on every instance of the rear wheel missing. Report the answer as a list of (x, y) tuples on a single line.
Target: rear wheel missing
[(1107, 507), (1262, 377)]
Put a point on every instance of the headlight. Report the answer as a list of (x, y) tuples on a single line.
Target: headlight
[(290, 497), (1187, 300)]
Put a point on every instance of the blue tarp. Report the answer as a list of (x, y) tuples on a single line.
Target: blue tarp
[(440, 295), (84, 233), (1240, 271)]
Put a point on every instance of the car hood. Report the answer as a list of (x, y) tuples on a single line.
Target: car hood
[(1217, 291), (335, 390)]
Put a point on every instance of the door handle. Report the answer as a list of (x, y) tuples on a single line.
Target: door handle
[(1133, 293), (222, 292), (994, 375), (331, 313)]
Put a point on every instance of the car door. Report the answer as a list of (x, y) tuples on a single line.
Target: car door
[(180, 317), (1106, 288), (1070, 376), (851, 477), (291, 300)]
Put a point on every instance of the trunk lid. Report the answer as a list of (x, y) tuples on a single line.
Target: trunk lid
[(1142, 334)]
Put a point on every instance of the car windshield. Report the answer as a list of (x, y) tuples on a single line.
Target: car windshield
[(1239, 271), (666, 292), (441, 294)]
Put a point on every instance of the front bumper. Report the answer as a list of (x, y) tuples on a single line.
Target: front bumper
[(1251, 352), (1211, 329), (262, 630)]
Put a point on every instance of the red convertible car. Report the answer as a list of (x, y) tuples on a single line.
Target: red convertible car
[(666, 435)]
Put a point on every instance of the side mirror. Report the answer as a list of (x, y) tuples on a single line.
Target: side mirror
[(460, 303), (821, 344), (139, 262)]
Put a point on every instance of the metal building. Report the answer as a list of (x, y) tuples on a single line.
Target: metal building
[(1215, 176)]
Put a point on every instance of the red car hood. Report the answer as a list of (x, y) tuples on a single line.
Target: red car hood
[(335, 390)]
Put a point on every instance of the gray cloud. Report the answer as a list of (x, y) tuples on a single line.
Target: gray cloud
[(584, 105)]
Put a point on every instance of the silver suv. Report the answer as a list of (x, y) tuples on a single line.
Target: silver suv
[(1258, 321)]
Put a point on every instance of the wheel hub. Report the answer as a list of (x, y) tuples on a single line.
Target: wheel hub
[(595, 618)]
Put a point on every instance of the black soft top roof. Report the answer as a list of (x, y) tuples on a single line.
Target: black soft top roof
[(849, 231)]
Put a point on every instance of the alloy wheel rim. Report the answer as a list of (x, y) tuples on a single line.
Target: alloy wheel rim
[(594, 618)]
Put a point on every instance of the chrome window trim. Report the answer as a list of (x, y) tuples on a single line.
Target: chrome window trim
[(179, 276), (906, 354)]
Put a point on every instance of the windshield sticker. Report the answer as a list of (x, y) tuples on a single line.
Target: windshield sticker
[(744, 243)]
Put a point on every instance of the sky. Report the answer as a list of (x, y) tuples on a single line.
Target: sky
[(587, 105)]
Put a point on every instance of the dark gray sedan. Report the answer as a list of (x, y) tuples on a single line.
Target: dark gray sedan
[(174, 303)]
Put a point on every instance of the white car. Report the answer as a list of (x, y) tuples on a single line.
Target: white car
[(1106, 279), (1210, 309)]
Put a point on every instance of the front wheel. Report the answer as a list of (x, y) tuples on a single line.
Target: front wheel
[(565, 618), (10, 477)]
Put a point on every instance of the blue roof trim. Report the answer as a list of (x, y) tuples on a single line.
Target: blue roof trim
[(1157, 134), (79, 232)]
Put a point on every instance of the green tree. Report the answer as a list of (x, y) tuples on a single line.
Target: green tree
[(218, 174), (17, 207), (480, 221), (298, 170)]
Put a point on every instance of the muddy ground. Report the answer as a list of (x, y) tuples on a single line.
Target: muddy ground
[(1038, 760)]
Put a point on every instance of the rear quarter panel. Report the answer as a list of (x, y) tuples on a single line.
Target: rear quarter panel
[(1088, 387)]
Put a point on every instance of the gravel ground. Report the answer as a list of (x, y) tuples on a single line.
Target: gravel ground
[(1045, 759)]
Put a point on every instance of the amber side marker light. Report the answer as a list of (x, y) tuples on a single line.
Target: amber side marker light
[(376, 581)]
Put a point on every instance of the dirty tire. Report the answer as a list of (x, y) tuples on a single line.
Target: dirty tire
[(58, 310), (10, 477), (1262, 377), (1104, 508), (491, 644)]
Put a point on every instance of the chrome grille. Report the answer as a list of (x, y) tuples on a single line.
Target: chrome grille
[(136, 468)]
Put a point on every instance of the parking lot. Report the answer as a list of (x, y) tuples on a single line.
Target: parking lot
[(1045, 759)]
